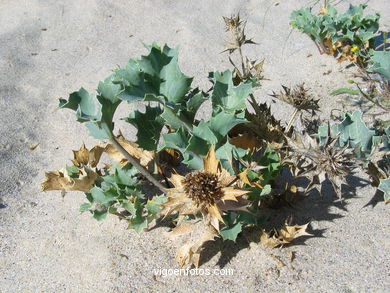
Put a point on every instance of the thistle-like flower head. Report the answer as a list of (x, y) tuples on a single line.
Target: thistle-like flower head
[(207, 191), (298, 97), (324, 161)]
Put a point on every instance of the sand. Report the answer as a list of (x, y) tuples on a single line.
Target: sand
[(52, 48)]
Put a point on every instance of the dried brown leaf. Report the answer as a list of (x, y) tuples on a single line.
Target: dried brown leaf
[(145, 157), (180, 230), (246, 141), (211, 162), (283, 236), (288, 233), (33, 147), (59, 180), (267, 240), (265, 125), (84, 157), (193, 235), (323, 10)]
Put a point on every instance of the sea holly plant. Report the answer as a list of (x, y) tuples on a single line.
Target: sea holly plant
[(346, 36), (370, 145), (213, 176), (374, 92), (225, 171), (355, 37)]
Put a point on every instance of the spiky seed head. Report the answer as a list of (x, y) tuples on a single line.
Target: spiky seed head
[(202, 187), (232, 23), (298, 97)]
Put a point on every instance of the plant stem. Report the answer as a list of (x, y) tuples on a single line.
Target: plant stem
[(137, 165), (252, 97), (296, 111), (372, 100), (235, 67), (242, 61), (326, 3), (255, 105)]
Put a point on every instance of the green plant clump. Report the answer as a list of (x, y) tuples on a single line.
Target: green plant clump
[(370, 145), (347, 36)]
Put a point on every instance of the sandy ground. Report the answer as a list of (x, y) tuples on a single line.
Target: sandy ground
[(51, 48)]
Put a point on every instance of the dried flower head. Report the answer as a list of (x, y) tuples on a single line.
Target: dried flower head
[(207, 192), (233, 23), (255, 68), (236, 27), (327, 161), (203, 187), (265, 125), (298, 97)]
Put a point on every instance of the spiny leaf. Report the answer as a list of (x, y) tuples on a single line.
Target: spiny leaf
[(223, 122), (97, 111), (108, 90), (381, 63), (194, 145), (225, 95), (91, 157), (195, 100), (340, 35), (153, 206), (85, 207), (271, 160), (231, 232), (100, 215), (352, 131), (149, 126), (86, 105), (173, 119), (156, 74), (232, 228), (177, 140), (138, 222), (385, 187), (188, 146), (175, 84), (101, 196), (226, 153), (122, 175)]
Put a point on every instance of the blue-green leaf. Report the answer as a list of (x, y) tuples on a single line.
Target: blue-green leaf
[(149, 125), (385, 187), (381, 63), (226, 96), (230, 232)]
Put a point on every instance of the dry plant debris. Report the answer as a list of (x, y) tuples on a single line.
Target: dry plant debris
[(283, 236)]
